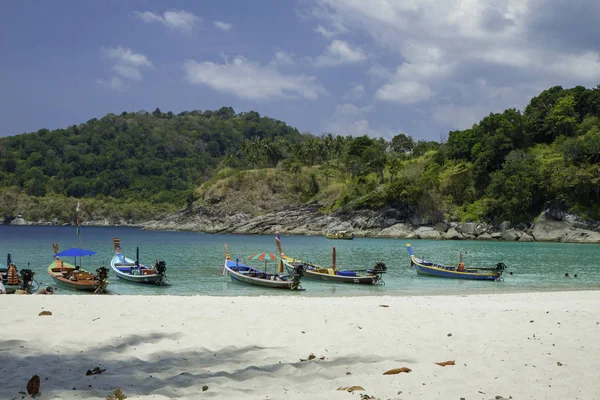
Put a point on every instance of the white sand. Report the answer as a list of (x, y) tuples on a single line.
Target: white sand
[(251, 347)]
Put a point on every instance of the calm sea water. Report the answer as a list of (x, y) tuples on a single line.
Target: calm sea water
[(195, 260)]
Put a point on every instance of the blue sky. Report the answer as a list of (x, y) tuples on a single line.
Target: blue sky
[(350, 67)]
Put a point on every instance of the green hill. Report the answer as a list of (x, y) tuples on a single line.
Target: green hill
[(141, 166)]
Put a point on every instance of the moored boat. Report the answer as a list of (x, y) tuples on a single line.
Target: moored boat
[(368, 276), (72, 276), (132, 271), (344, 235), (14, 280), (459, 271), (253, 276)]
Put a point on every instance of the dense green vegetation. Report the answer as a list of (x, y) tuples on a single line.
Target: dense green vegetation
[(509, 166)]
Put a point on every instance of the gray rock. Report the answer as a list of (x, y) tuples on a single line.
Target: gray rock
[(453, 234), (504, 226), (549, 229), (509, 235), (441, 227), (426, 232), (467, 228), (526, 238), (485, 236)]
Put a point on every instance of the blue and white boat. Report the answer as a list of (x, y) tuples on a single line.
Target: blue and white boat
[(132, 271), (459, 271), (253, 276)]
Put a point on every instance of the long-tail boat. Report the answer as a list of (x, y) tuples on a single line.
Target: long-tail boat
[(369, 276), (253, 276), (72, 276), (459, 271), (132, 271)]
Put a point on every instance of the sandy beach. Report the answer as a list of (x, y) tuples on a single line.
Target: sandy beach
[(524, 346)]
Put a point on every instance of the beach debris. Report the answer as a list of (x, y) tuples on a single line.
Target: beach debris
[(351, 388), (95, 371), (365, 396), (383, 305), (397, 371), (449, 334), (444, 363), (204, 388), (33, 386), (118, 395), (310, 357), (45, 313), (559, 363)]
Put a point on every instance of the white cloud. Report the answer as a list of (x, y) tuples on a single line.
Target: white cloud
[(114, 83), (349, 119), (127, 67), (250, 80), (127, 71), (443, 44), (356, 92), (127, 56), (224, 26), (405, 92), (340, 52), (283, 58), (179, 20)]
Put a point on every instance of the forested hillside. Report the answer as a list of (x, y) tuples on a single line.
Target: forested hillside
[(138, 166)]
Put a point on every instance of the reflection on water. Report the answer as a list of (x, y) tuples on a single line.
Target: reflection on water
[(195, 261)]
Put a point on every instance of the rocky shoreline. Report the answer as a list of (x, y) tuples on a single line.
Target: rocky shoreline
[(550, 226)]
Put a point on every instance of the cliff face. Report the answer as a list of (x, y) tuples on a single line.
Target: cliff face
[(310, 220)]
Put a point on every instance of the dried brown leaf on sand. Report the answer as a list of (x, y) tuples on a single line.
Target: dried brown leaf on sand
[(351, 388), (397, 371), (444, 363), (33, 386), (310, 357), (45, 313), (117, 396)]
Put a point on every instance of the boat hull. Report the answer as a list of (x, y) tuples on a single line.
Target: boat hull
[(438, 270), (59, 274), (310, 273), (241, 273), (124, 272)]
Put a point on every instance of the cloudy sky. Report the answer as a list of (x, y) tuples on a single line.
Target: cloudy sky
[(377, 67)]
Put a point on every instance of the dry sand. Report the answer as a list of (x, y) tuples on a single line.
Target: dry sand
[(528, 346)]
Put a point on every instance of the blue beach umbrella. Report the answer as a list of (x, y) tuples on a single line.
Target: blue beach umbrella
[(76, 252)]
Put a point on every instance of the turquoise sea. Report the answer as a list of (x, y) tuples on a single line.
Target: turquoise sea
[(194, 261)]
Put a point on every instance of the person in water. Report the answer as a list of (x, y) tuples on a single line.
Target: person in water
[(567, 275)]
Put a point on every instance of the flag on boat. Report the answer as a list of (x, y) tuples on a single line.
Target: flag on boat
[(77, 210)]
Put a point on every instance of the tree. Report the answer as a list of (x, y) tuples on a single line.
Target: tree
[(562, 117), (402, 144)]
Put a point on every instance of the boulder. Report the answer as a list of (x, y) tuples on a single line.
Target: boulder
[(526, 238), (485, 236), (549, 230), (453, 234), (426, 232), (400, 230), (510, 235)]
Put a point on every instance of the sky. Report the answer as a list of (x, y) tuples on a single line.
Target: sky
[(349, 67)]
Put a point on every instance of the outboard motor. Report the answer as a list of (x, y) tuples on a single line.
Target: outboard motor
[(378, 269), (27, 279), (101, 274), (297, 274), (100, 278), (161, 270), (161, 267)]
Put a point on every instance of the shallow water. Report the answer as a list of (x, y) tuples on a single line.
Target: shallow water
[(194, 261)]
